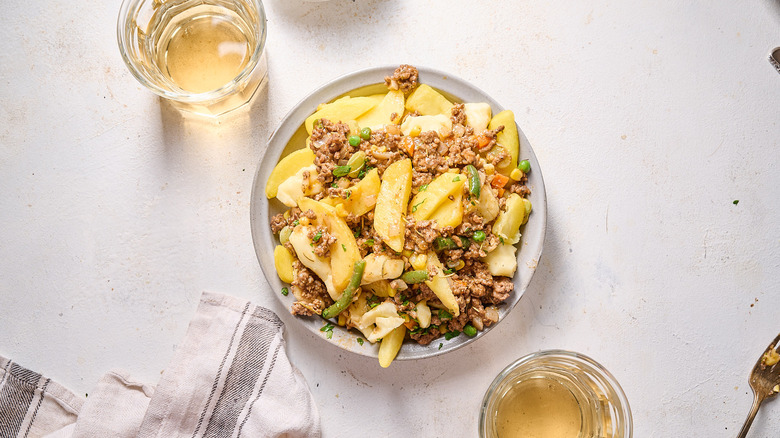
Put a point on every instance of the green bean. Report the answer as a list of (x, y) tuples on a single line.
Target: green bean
[(474, 183), (412, 277), (442, 243), (340, 171), (346, 297)]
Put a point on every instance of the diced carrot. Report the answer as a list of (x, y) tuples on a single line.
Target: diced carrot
[(500, 192), (499, 181), (483, 141)]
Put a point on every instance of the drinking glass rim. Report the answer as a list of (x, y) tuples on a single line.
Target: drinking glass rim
[(552, 354), (130, 8)]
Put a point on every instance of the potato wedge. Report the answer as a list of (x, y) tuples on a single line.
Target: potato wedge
[(440, 285), (283, 261), (381, 267), (450, 212), (424, 203), (343, 110), (392, 202), (391, 345), (438, 123), (319, 265), (290, 191), (344, 252), (380, 115), (508, 138), (363, 195), (287, 167), (380, 288), (487, 205), (502, 260), (428, 102), (528, 208), (507, 226), (477, 115)]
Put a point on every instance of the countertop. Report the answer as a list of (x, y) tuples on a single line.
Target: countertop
[(655, 125)]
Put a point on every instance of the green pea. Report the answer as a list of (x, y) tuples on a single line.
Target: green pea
[(524, 165), (469, 330), (354, 140), (479, 236), (365, 133)]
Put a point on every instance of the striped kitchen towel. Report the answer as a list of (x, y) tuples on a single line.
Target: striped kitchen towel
[(230, 377), (32, 405)]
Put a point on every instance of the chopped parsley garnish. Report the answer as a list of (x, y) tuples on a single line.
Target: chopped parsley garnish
[(296, 222), (285, 291), (370, 242), (328, 329), (736, 201), (360, 341), (451, 334), (423, 188), (440, 345), (414, 208), (356, 233), (449, 271), (444, 315), (457, 178), (349, 193), (317, 237), (344, 247)]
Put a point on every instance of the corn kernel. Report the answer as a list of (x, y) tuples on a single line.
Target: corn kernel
[(489, 168), (516, 174), (460, 265), (303, 220), (415, 131)]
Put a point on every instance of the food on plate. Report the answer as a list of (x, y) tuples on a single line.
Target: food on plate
[(404, 212)]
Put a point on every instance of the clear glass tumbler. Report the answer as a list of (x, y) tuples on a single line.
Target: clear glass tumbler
[(204, 56), (555, 393)]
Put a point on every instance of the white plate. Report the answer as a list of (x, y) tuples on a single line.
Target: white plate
[(290, 136)]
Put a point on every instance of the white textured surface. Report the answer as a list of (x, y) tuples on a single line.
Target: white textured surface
[(648, 118)]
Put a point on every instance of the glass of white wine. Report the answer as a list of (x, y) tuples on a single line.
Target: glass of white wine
[(204, 56)]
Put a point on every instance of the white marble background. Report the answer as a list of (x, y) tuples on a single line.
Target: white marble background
[(649, 119)]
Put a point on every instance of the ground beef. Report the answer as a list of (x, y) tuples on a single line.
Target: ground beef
[(312, 295), (458, 114), (404, 78), (322, 240), (330, 144), (420, 235), (425, 337), (382, 149), (502, 287), (520, 188), (278, 222)]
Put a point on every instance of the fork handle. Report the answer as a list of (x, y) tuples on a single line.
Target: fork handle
[(751, 415)]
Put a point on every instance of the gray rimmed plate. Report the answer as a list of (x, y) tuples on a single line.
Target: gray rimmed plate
[(290, 136)]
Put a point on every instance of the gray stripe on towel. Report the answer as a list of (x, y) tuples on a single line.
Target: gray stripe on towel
[(15, 399), (243, 374), (219, 372), (260, 392)]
